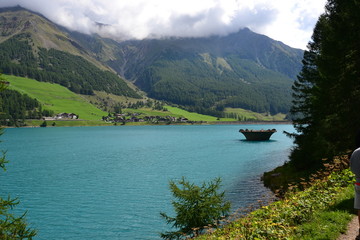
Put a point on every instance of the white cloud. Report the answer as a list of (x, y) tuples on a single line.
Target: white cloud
[(289, 21), (295, 22)]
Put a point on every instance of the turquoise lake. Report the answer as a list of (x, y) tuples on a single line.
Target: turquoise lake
[(112, 182)]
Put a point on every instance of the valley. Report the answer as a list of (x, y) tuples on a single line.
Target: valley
[(59, 99), (212, 76)]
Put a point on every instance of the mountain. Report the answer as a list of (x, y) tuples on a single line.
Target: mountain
[(32, 46), (243, 69)]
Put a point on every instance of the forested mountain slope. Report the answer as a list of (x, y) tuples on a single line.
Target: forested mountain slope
[(32, 46), (243, 69)]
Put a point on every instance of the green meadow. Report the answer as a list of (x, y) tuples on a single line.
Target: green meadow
[(248, 115), (55, 97), (59, 99), (195, 116)]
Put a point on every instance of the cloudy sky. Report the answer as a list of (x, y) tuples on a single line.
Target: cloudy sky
[(289, 21)]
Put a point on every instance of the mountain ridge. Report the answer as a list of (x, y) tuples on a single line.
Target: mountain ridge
[(254, 71), (243, 69), (45, 33), (31, 46)]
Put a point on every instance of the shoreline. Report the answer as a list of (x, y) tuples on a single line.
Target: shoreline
[(252, 122), (90, 123)]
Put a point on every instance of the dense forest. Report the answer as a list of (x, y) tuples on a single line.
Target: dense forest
[(17, 57), (327, 91), (208, 89), (16, 107)]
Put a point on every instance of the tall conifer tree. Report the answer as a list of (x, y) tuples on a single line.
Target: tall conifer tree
[(327, 93)]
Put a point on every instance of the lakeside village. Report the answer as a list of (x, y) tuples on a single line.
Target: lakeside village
[(119, 116), (123, 118), (62, 116)]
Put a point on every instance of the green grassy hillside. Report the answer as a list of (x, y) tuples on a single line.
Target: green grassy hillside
[(195, 116), (59, 99), (55, 97), (247, 115)]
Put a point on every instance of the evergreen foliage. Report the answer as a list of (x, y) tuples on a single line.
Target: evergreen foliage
[(17, 57), (12, 227), (196, 207), (327, 91), (16, 107)]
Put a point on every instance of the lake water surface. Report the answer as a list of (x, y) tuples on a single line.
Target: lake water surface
[(112, 182)]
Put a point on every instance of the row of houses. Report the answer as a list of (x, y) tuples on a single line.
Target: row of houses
[(124, 117), (62, 116), (136, 118)]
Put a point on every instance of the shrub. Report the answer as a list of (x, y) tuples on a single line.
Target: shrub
[(196, 207)]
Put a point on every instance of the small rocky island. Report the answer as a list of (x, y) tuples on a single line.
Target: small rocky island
[(257, 135)]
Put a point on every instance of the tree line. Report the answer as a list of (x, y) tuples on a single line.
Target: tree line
[(326, 95), (16, 107)]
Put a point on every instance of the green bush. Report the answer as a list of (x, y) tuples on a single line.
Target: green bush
[(196, 207)]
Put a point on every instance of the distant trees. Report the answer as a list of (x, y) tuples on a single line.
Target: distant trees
[(196, 208), (43, 124), (16, 107), (326, 97)]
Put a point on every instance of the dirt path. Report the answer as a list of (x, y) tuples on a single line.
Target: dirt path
[(352, 231)]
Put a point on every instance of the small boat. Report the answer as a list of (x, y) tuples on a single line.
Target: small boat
[(257, 135)]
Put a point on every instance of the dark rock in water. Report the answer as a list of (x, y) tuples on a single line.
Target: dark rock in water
[(257, 135)]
